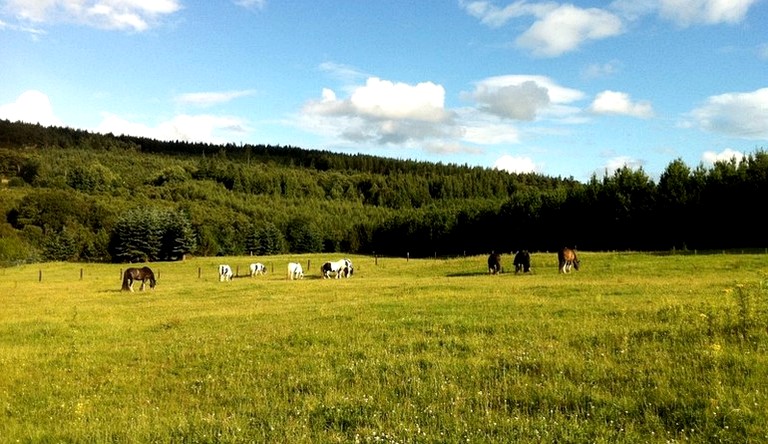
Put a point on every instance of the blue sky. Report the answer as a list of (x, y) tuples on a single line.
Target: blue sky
[(562, 89)]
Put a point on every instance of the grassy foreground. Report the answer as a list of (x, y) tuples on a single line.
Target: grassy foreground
[(632, 348)]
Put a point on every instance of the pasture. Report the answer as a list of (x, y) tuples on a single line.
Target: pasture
[(631, 348)]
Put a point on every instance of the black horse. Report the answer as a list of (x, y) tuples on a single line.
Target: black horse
[(142, 274), (494, 263), (522, 261)]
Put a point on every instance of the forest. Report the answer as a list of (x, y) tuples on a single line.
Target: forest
[(74, 195)]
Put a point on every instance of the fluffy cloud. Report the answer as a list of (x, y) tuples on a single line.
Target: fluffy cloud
[(381, 111), (205, 99), (616, 163), (566, 28), (557, 29), (735, 114), (710, 157), (521, 97), (515, 164), (613, 102), (31, 107), (133, 15), (198, 128), (687, 12)]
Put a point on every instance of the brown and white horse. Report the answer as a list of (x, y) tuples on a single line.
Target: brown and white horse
[(567, 259)]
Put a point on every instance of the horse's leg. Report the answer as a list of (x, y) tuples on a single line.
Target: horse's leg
[(143, 284)]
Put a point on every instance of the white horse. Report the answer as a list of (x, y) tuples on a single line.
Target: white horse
[(257, 268), (295, 271), (225, 273), (342, 267)]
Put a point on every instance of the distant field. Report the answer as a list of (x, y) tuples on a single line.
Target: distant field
[(631, 348)]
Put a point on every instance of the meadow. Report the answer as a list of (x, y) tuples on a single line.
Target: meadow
[(633, 348)]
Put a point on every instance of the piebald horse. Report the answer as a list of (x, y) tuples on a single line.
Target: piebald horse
[(342, 268), (566, 259), (142, 274)]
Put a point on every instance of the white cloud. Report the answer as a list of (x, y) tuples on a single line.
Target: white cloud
[(205, 99), (687, 12), (493, 16), (735, 114), (133, 15), (523, 97), (616, 163), (566, 28), (383, 112), (32, 107), (710, 157), (515, 164), (198, 128), (619, 103), (558, 28), (382, 99)]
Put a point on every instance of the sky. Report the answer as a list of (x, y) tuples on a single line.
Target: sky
[(563, 89)]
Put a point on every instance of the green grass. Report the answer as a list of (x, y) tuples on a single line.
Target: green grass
[(632, 348)]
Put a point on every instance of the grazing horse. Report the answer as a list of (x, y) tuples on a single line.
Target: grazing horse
[(522, 261), (295, 271), (225, 273), (142, 274), (350, 269), (566, 259), (494, 263), (342, 267), (257, 268)]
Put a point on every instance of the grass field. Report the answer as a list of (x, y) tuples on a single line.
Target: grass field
[(631, 348)]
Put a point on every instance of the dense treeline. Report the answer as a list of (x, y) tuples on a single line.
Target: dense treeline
[(73, 195)]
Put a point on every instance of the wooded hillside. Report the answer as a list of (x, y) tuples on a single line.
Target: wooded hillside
[(73, 195)]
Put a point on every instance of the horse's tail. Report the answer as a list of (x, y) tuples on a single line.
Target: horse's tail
[(126, 278)]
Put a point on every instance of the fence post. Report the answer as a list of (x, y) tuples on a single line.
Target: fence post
[(407, 256), (81, 274), (40, 276), (199, 272)]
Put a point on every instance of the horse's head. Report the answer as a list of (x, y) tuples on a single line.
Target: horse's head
[(152, 281)]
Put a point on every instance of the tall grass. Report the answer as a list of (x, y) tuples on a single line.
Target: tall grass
[(632, 348)]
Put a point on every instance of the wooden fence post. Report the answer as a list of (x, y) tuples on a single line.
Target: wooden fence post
[(40, 276)]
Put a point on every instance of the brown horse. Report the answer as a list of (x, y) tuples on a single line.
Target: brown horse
[(566, 259), (142, 274)]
